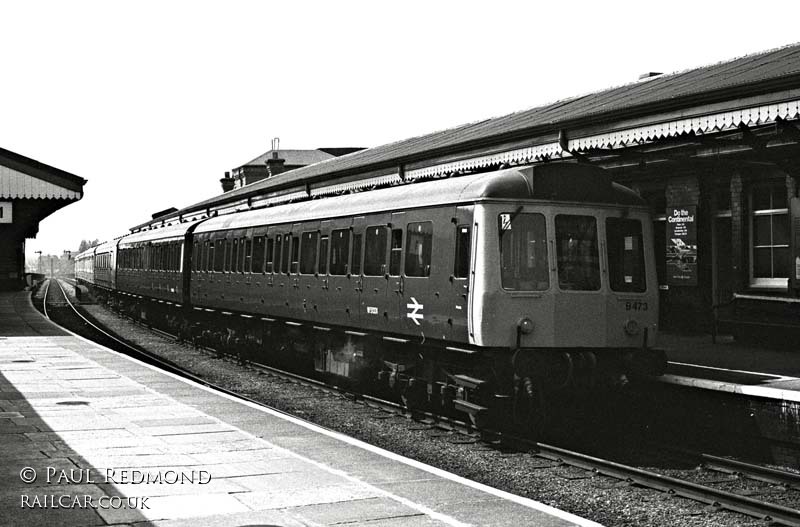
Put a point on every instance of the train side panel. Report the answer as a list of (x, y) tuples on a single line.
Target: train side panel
[(387, 273)]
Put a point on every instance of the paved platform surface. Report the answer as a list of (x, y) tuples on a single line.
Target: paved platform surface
[(89, 437), (726, 365)]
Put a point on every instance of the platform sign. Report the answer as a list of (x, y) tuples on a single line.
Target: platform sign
[(5, 212), (682, 245)]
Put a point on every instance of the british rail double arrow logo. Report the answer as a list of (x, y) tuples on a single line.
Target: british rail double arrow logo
[(415, 315)]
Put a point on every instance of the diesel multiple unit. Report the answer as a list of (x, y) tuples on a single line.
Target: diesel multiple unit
[(482, 293)]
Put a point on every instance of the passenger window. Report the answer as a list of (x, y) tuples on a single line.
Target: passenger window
[(625, 255), (258, 254), (375, 251), (523, 252), (419, 245), (576, 245), (208, 256), (355, 259), (295, 254), (248, 254), (395, 252), (462, 260), (308, 252), (228, 255), (340, 251), (278, 252), (270, 255), (323, 255), (219, 256)]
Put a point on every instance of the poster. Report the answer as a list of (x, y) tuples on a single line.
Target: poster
[(682, 245)]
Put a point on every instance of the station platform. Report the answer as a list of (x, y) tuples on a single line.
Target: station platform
[(722, 364), (89, 437)]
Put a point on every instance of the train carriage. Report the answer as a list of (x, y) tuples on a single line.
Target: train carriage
[(150, 262), (476, 293), (105, 257), (478, 282)]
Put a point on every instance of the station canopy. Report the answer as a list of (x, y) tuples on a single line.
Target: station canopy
[(34, 190), (745, 107)]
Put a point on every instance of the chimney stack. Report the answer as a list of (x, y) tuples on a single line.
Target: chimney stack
[(275, 163), (227, 182)]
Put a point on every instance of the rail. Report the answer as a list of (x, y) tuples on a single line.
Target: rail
[(653, 480)]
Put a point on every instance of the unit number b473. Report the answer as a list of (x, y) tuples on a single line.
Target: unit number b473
[(635, 305)]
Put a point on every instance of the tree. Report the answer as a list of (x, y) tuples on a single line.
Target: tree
[(87, 244)]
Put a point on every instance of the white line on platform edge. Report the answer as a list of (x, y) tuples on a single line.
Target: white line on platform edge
[(526, 502)]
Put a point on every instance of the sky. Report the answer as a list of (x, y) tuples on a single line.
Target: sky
[(152, 101)]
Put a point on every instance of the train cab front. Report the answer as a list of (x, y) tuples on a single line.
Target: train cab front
[(573, 293)]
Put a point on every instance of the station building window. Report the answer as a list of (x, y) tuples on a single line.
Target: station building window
[(769, 235)]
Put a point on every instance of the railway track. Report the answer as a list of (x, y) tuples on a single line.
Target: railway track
[(705, 492)]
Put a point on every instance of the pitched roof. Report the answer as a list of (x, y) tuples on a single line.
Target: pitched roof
[(22, 177), (292, 157), (768, 72)]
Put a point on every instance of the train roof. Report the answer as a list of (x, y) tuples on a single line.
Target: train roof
[(170, 232), (763, 77), (97, 249), (561, 182)]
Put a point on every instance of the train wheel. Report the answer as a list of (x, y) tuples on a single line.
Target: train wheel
[(530, 408)]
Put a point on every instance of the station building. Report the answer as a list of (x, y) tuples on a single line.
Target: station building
[(29, 192), (715, 151), (276, 161)]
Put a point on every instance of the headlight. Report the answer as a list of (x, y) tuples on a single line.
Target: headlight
[(632, 327), (526, 326)]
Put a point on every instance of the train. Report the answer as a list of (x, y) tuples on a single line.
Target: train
[(483, 295)]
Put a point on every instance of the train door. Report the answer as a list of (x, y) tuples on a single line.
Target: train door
[(258, 259), (375, 310), (397, 281), (291, 246), (580, 305), (309, 288), (227, 278), (245, 271), (281, 281), (458, 295), (358, 314), (424, 306), (340, 289), (274, 244)]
